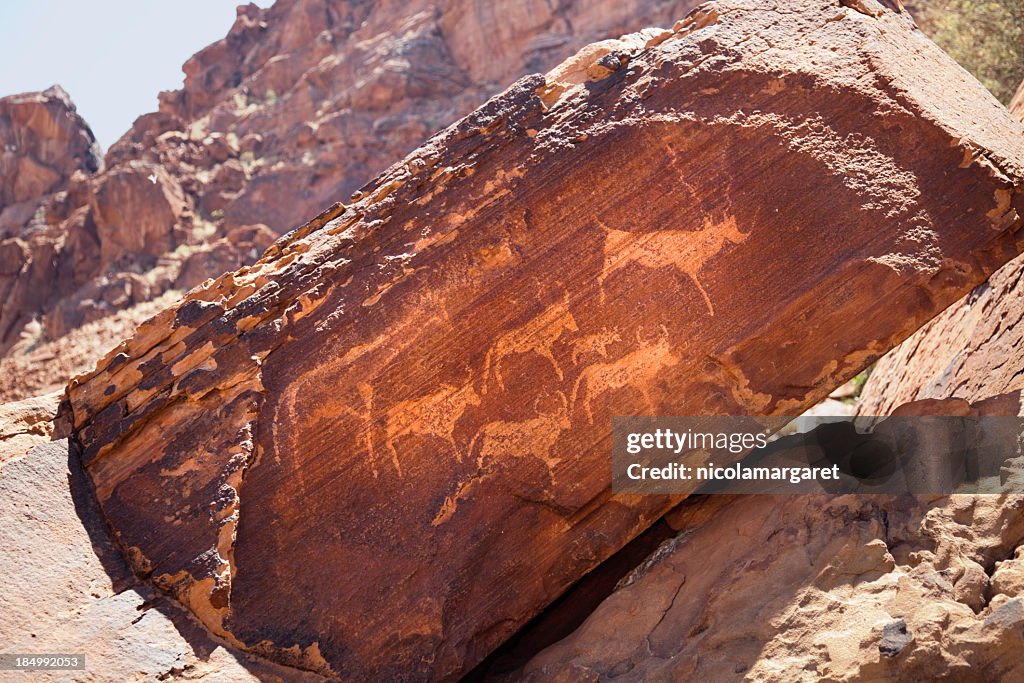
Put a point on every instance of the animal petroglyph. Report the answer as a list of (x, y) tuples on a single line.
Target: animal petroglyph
[(594, 343), (637, 369), (538, 336), (535, 436), (686, 251), (432, 415)]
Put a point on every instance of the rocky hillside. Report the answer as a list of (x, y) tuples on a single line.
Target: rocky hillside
[(298, 106)]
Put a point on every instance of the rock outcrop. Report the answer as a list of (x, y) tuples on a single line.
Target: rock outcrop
[(44, 142), (46, 146), (812, 588), (459, 338), (973, 350), (299, 105)]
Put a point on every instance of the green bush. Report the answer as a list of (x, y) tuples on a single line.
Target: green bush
[(985, 36)]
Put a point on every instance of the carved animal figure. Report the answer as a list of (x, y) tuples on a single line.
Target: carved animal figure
[(637, 369), (685, 250), (538, 336), (431, 415)]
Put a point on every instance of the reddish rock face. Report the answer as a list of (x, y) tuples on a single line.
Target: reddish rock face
[(299, 105), (44, 142), (973, 350), (136, 208), (384, 447)]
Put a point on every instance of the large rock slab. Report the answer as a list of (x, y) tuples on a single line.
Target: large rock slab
[(384, 447), (974, 349)]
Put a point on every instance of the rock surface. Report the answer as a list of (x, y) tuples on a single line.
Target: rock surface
[(67, 588), (24, 424), (460, 337), (974, 349), (812, 588), (44, 142), (299, 105)]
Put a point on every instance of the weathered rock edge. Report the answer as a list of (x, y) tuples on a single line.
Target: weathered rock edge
[(972, 350), (417, 389)]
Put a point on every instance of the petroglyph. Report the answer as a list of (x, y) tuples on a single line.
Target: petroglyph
[(538, 336), (597, 343), (500, 440), (637, 369), (433, 415), (534, 437), (685, 250)]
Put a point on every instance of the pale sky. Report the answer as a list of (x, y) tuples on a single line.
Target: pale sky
[(112, 56)]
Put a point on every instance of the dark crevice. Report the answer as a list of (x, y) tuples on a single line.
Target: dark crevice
[(569, 611)]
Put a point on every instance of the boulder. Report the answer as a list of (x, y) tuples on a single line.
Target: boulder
[(384, 447), (136, 208), (43, 141), (974, 349)]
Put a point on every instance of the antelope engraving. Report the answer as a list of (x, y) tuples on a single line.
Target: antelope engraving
[(686, 251), (535, 436), (432, 415), (538, 336), (638, 369)]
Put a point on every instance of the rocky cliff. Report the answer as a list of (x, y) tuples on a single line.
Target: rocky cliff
[(298, 106), (625, 235)]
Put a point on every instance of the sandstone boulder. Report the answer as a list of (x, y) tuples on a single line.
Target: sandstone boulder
[(383, 448), (136, 209), (44, 141), (974, 349)]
